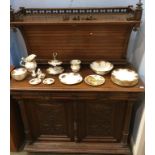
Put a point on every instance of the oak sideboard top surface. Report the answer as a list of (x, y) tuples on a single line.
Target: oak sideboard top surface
[(108, 86)]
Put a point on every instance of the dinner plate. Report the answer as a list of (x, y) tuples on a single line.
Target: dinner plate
[(94, 80), (35, 81), (48, 81), (70, 78)]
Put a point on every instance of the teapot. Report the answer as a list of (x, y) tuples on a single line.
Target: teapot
[(29, 63)]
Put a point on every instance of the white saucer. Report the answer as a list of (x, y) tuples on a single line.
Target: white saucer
[(48, 81), (35, 81)]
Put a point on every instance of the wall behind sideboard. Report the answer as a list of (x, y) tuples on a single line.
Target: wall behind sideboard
[(70, 3), (135, 54)]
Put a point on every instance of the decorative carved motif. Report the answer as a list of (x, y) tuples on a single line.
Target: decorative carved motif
[(68, 11), (99, 119), (136, 15), (51, 119)]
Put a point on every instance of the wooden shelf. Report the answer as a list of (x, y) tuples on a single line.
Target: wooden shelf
[(58, 86)]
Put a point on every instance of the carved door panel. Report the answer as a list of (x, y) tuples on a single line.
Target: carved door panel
[(49, 120), (100, 121)]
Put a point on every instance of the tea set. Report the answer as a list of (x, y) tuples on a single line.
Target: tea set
[(121, 77)]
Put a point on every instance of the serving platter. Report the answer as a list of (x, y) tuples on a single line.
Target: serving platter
[(94, 80), (70, 78), (124, 77)]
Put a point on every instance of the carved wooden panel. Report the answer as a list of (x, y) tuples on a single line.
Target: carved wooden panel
[(50, 120), (101, 120), (57, 125)]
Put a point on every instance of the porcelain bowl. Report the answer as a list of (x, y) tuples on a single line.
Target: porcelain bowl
[(19, 74), (101, 67)]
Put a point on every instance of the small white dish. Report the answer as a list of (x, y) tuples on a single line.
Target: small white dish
[(35, 81), (48, 81), (70, 78), (94, 80), (55, 70)]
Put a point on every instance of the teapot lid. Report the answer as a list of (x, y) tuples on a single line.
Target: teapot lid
[(31, 57)]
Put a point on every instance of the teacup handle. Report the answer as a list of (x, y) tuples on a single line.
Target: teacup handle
[(22, 63)]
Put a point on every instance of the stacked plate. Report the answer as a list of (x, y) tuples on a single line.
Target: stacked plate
[(124, 77)]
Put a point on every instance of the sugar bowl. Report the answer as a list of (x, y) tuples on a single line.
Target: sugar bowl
[(75, 65)]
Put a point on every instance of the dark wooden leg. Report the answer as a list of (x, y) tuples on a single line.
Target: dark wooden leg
[(127, 123), (16, 127)]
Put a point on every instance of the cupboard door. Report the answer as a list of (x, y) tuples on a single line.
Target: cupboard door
[(100, 121), (48, 120)]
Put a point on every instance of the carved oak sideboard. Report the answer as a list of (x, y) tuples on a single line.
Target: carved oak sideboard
[(77, 118)]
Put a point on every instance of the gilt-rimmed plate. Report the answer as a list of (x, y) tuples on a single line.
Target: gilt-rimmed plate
[(48, 81), (70, 78), (94, 80), (35, 81), (124, 77)]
